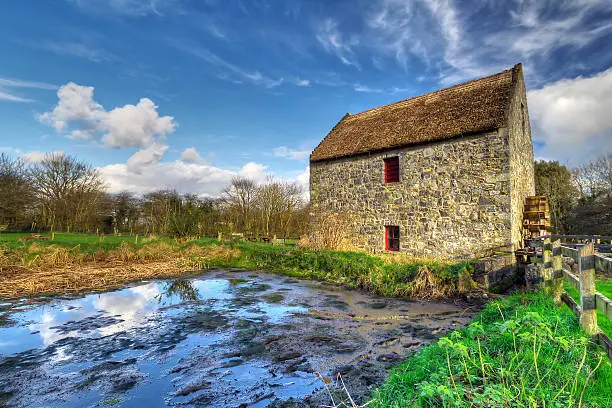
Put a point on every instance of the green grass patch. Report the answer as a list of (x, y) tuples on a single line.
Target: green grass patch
[(603, 322), (604, 286), (349, 269), (520, 352), (86, 243)]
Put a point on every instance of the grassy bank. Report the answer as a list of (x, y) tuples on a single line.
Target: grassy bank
[(72, 262), (520, 352)]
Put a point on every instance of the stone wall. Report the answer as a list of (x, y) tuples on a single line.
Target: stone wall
[(453, 199), (521, 157)]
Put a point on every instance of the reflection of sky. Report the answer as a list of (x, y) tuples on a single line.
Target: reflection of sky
[(274, 313), (38, 327), (132, 307), (209, 289)]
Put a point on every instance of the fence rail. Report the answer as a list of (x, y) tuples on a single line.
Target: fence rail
[(603, 263), (590, 300)]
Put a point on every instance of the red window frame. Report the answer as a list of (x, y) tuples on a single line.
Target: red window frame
[(392, 238), (392, 169)]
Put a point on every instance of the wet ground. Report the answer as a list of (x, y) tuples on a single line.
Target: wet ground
[(224, 339)]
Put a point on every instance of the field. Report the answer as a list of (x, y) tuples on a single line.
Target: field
[(73, 263)]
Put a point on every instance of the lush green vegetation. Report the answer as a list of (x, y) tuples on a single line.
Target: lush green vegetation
[(520, 352), (86, 243), (605, 288)]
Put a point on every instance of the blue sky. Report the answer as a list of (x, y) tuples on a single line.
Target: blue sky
[(186, 93)]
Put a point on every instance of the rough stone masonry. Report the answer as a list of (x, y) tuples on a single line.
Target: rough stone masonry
[(465, 167)]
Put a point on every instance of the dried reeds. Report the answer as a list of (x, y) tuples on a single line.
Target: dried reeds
[(344, 398), (427, 285), (51, 269), (332, 231)]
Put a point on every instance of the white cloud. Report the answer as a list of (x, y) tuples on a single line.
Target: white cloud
[(303, 179), (284, 151), (147, 157), (572, 117), (441, 34), (38, 156), (191, 155), (198, 178), (130, 8), (135, 125), (75, 104), (228, 71), (128, 126), (76, 49), (302, 82), (18, 83), (334, 42), (5, 96), (366, 89), (254, 171)]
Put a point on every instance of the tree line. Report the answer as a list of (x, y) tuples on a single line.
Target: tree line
[(63, 193), (580, 198)]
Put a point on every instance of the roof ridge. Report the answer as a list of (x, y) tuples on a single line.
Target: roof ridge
[(466, 83)]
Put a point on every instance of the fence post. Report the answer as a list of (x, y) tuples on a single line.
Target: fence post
[(557, 271), (586, 266), (546, 261), (546, 252)]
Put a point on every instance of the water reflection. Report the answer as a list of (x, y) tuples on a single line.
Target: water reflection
[(181, 288), (224, 339)]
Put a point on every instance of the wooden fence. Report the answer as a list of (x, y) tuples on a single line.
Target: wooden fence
[(590, 299)]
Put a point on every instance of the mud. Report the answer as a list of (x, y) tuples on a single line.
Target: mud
[(225, 339)]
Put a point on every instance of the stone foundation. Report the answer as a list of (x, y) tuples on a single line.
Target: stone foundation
[(497, 274)]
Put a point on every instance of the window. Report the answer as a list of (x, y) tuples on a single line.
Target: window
[(392, 240), (392, 169)]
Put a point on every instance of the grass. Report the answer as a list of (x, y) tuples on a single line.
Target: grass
[(605, 288), (87, 243), (522, 351), (74, 262)]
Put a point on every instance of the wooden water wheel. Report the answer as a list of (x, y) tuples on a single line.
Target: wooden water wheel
[(536, 217)]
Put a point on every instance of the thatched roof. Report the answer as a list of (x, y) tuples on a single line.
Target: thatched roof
[(468, 108)]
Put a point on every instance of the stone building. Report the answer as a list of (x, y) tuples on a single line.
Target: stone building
[(441, 175)]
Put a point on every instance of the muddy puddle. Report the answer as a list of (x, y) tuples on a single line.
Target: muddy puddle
[(225, 339)]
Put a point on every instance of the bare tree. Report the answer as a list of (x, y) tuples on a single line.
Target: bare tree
[(593, 212), (125, 211), (270, 202), (595, 177), (159, 207), (240, 197), (69, 192), (16, 198), (293, 195)]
